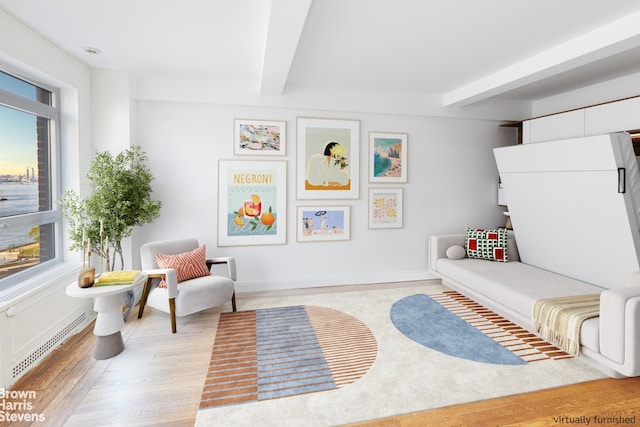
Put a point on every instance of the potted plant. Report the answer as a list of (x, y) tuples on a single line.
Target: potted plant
[(121, 199)]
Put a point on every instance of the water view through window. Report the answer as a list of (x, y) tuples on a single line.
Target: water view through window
[(27, 216)]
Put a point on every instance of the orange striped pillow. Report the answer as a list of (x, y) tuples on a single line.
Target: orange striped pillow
[(188, 265)]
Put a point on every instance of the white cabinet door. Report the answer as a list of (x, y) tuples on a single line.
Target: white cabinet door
[(613, 117), (557, 126), (526, 131)]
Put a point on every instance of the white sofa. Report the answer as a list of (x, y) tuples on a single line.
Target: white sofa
[(610, 343)]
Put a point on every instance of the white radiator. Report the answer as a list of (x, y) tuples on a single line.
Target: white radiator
[(35, 318)]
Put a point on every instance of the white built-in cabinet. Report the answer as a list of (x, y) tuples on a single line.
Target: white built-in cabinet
[(614, 116)]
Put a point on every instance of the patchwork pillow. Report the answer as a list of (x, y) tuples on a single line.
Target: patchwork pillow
[(487, 244), (188, 265)]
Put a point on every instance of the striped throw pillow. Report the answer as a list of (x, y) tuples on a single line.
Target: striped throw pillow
[(188, 265)]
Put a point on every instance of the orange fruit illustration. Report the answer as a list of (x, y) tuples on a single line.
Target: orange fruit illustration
[(267, 218)]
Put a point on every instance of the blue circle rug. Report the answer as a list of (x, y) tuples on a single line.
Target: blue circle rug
[(427, 321)]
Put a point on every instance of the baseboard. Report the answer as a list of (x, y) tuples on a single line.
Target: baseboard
[(316, 282)]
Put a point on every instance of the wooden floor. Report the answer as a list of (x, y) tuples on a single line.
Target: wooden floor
[(158, 380), (595, 403)]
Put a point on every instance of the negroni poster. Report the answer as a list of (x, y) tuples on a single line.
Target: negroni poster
[(252, 202)]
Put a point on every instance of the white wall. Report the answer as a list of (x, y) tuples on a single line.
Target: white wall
[(452, 184), (113, 124), (111, 109)]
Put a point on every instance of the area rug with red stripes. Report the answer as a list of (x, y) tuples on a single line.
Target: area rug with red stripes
[(278, 352), (458, 326)]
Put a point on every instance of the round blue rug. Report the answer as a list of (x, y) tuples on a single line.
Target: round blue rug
[(426, 322)]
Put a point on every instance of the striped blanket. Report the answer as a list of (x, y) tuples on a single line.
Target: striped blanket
[(559, 320)]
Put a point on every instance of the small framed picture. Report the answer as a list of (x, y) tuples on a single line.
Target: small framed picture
[(388, 157), (385, 208), (260, 137), (320, 223)]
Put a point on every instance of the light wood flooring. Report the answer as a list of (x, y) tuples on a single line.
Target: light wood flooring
[(611, 402), (158, 380)]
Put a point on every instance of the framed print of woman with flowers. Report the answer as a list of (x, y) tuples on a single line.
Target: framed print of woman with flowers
[(327, 161)]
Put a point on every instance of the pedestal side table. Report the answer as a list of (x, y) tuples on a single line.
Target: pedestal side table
[(109, 322)]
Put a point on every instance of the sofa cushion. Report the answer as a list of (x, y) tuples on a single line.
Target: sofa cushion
[(512, 284), (484, 244), (590, 334)]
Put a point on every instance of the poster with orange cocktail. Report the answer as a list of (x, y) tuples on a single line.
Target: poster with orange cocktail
[(252, 202)]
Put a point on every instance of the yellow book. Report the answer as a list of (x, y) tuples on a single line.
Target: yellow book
[(121, 277)]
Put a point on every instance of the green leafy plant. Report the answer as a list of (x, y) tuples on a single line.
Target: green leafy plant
[(121, 199)]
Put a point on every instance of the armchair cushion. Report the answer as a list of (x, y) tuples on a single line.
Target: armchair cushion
[(188, 265), (194, 295)]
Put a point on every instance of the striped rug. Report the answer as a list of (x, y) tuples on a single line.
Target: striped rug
[(521, 342), (278, 352)]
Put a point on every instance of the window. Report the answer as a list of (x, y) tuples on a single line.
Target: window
[(29, 216)]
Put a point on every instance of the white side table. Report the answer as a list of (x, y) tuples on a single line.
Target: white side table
[(109, 322)]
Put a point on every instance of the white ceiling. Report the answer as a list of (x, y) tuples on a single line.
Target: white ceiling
[(462, 50)]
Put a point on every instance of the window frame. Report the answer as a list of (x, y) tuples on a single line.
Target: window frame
[(54, 215)]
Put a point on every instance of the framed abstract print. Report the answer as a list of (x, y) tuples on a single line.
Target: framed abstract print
[(260, 137), (385, 208)]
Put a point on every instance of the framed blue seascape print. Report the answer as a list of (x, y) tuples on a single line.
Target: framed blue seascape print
[(388, 157)]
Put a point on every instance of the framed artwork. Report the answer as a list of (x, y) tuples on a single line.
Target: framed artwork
[(320, 223), (327, 158), (387, 157), (260, 137), (252, 202), (385, 208)]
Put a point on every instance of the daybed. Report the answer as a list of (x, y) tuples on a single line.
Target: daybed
[(575, 210), (610, 343)]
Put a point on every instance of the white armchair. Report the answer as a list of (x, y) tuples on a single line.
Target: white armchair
[(188, 296)]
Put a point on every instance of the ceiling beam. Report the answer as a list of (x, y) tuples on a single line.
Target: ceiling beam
[(596, 45), (286, 21)]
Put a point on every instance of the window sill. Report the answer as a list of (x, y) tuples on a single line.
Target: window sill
[(63, 272)]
